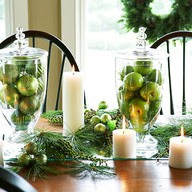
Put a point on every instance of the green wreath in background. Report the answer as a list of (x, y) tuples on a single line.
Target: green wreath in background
[(138, 13)]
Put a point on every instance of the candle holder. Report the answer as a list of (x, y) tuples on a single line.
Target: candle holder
[(139, 91)]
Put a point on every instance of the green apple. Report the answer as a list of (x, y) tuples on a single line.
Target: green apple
[(138, 113), (9, 95), (27, 85), (151, 91), (133, 81), (124, 107), (154, 108), (95, 120), (143, 67), (105, 118), (127, 95), (9, 74), (156, 76), (126, 70), (100, 128), (29, 105)]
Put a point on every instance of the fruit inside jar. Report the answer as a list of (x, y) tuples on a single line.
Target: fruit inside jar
[(139, 92)]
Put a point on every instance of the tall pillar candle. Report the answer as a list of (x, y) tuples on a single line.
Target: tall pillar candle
[(180, 152), (73, 101)]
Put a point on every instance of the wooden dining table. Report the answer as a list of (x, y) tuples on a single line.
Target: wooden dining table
[(152, 175)]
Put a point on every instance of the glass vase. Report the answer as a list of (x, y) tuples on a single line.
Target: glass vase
[(139, 95), (23, 79)]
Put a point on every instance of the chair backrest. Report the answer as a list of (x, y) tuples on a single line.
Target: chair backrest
[(52, 40), (12, 182), (178, 71)]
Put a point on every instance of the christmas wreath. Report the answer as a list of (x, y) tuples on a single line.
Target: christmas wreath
[(138, 13)]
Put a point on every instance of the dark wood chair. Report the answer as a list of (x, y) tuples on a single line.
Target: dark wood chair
[(52, 40), (12, 182), (177, 61)]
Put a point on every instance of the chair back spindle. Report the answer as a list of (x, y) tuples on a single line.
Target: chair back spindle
[(184, 37)]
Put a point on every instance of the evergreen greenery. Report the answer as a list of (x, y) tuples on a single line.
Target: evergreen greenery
[(138, 13)]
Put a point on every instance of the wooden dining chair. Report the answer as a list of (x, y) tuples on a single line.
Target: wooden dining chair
[(52, 41), (11, 182), (177, 71)]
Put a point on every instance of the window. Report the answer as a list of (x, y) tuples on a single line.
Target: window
[(97, 36), (2, 19), (104, 37)]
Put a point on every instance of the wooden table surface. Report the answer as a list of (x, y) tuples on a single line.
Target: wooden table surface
[(132, 175)]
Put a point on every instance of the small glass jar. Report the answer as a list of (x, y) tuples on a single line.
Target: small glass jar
[(139, 82)]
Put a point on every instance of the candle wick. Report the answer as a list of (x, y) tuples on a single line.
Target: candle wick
[(3, 138)]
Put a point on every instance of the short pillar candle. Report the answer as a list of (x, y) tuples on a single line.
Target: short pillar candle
[(124, 143), (180, 152)]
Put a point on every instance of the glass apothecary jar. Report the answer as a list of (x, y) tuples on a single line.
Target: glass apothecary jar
[(23, 78), (139, 81)]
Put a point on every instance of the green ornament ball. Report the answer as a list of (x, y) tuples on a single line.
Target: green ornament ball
[(35, 69), (41, 86), (41, 159), (102, 105), (31, 148), (20, 120), (29, 105), (95, 120), (105, 118), (24, 159), (9, 95), (9, 74), (87, 111), (27, 85), (21, 62), (100, 128)]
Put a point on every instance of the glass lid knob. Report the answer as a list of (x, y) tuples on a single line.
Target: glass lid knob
[(141, 42), (20, 36)]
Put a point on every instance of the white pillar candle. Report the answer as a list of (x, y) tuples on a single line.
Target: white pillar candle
[(180, 152), (124, 143), (73, 102)]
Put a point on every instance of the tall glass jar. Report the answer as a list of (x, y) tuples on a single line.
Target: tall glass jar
[(139, 82), (23, 78)]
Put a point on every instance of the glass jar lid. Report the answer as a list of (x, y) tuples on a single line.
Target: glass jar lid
[(20, 49), (141, 52)]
